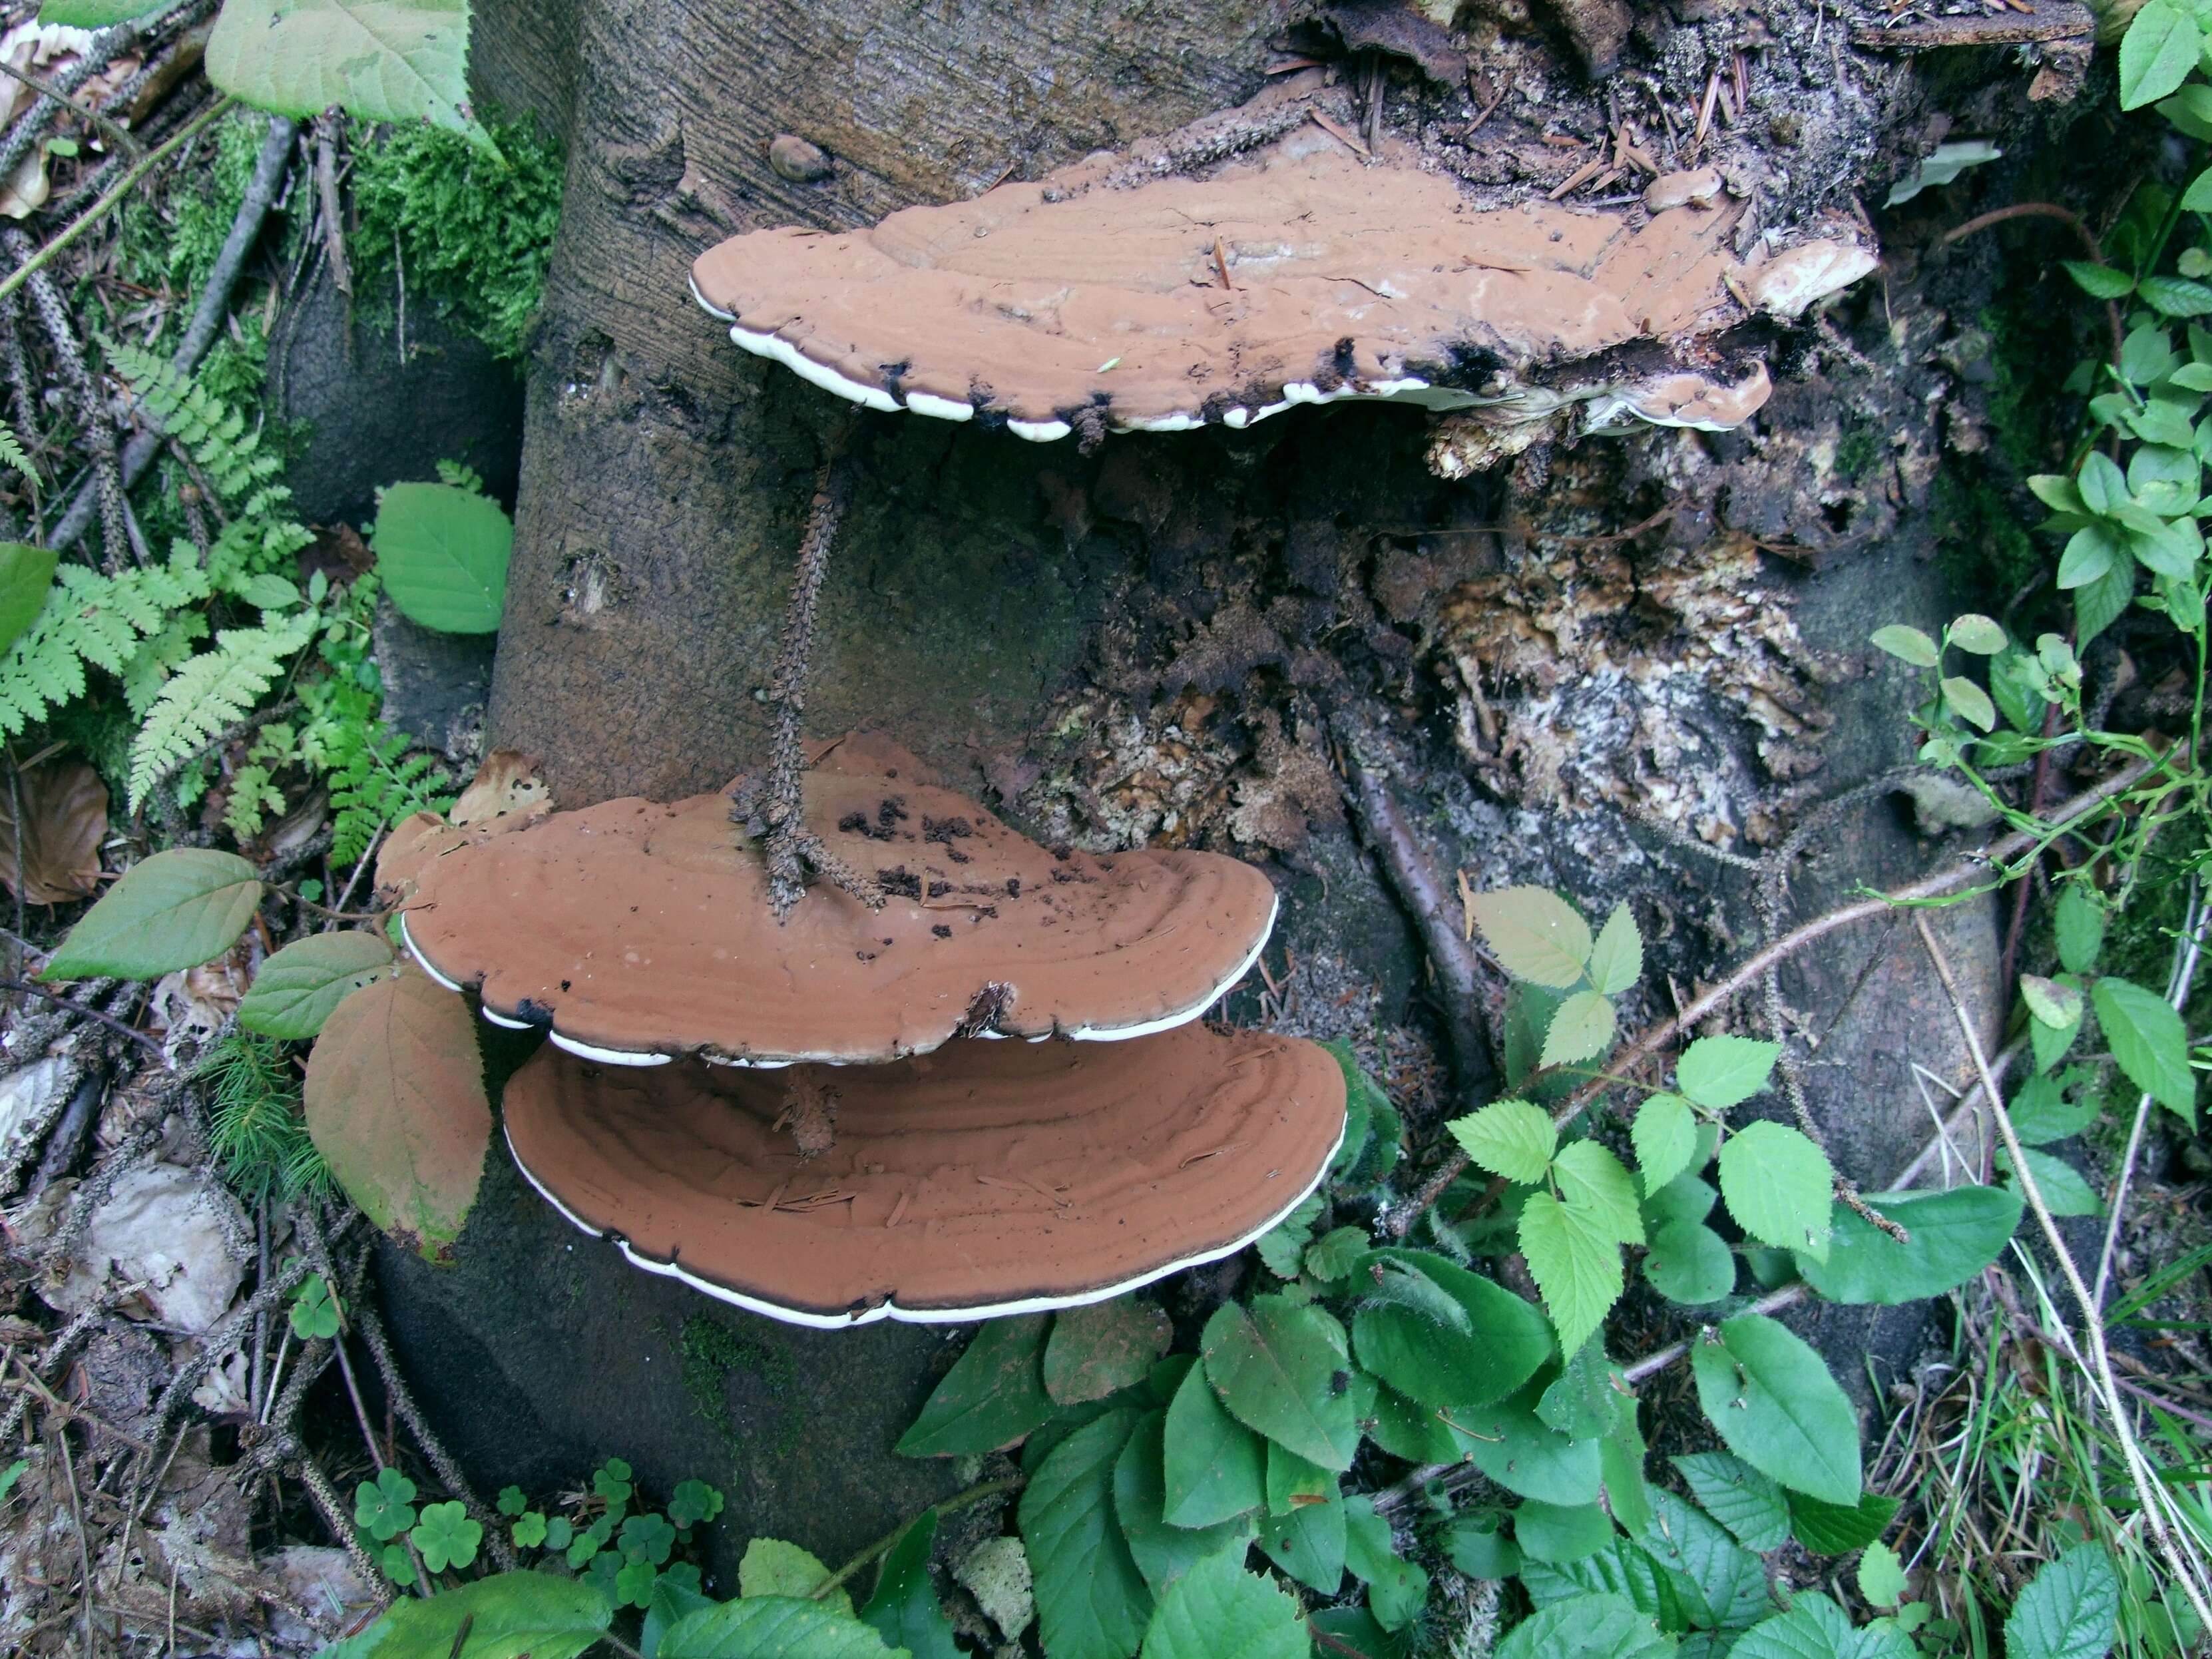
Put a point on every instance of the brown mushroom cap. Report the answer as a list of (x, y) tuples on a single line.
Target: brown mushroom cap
[(1293, 275), (986, 1178), (641, 932)]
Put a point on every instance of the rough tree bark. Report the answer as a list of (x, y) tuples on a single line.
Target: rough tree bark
[(1151, 641)]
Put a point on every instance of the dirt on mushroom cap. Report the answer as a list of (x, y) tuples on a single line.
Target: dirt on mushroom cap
[(987, 1177), (641, 930)]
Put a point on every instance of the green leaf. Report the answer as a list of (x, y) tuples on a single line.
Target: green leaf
[(1778, 1186), (506, 1616), (1586, 1627), (1616, 961), (297, 989), (1839, 1528), (1534, 934), (395, 1103), (1978, 634), (1509, 1138), (445, 1536), (1954, 1235), (314, 1310), (2078, 921), (98, 13), (1816, 1628), (767, 1627), (26, 576), (1581, 1028), (1721, 1071), (2065, 1190), (2156, 54), (2175, 296), (1775, 1406), (1592, 1179), (2100, 281), (1907, 645), (176, 909), (1092, 1602), (381, 60), (675, 1596), (1099, 1350), (2056, 1005), (385, 1505), (1396, 1588), (771, 1567), (1329, 1257), (1582, 1402), (1526, 1456), (1218, 1610), (1574, 1255), (1665, 1137), (2197, 198), (1722, 1584), (1549, 1532), (1740, 1497), (1882, 1576), (1476, 1547), (2069, 1610), (1280, 1368), (443, 554), (1969, 702), (1307, 1543), (2147, 1038), (1492, 1348), (1685, 1198), (1214, 1467), (904, 1609), (2041, 1113), (2099, 603), (994, 1397), (1162, 1551), (1690, 1263)]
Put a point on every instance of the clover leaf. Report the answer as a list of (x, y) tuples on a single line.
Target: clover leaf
[(529, 1531), (694, 1501), (511, 1501), (633, 1583), (314, 1309), (445, 1536), (647, 1538), (611, 1482), (385, 1507)]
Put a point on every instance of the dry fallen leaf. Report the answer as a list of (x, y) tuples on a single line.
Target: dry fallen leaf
[(506, 787), (66, 815)]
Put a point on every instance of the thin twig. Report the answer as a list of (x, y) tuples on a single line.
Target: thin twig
[(116, 132), (981, 1491), (109, 1021)]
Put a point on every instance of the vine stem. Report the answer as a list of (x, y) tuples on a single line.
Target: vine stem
[(952, 1505), (2148, 1491), (100, 209), (1748, 972)]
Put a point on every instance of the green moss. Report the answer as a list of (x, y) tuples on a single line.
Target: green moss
[(712, 1353), (1859, 450), (475, 238), (1986, 544)]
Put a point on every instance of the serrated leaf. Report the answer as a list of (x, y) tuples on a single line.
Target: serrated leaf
[(2041, 1113), (1954, 1235), (1213, 1468), (1665, 1138), (1690, 1264), (1162, 1551), (2065, 1190), (1097, 1350), (1092, 1602), (1616, 961), (1882, 1576), (1839, 1528), (1218, 1610), (764, 1627), (297, 990), (1492, 1349), (2175, 296), (1748, 1503), (1280, 1369), (1721, 1584), (2099, 603), (1969, 702), (2147, 1039), (2069, 1610), (1582, 1402), (443, 554), (1586, 1627), (1591, 1178), (994, 1396), (506, 1616), (176, 909), (2058, 1006), (26, 576), (1535, 933), (1721, 1071), (1329, 1257), (1907, 645), (2100, 281), (903, 1608), (1581, 1028), (1775, 1407), (381, 60), (1779, 1186), (395, 1103), (2156, 54), (2077, 921), (1509, 1138), (1978, 634), (775, 1566), (1575, 1259), (1816, 1628)]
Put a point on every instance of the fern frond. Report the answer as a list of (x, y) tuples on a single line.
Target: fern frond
[(208, 693), (240, 471), (12, 453), (90, 618), (377, 785)]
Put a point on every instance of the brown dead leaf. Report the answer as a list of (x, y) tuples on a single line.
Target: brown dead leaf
[(396, 1104), (339, 552), (506, 790), (65, 817)]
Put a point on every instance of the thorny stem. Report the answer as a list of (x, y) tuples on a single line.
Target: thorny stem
[(2148, 1491), (115, 132), (981, 1491), (790, 848)]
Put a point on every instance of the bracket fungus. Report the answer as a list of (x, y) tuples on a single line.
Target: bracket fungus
[(1107, 296), (984, 1179), (640, 931)]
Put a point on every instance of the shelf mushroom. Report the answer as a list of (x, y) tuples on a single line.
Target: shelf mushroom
[(980, 1180), (640, 932)]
